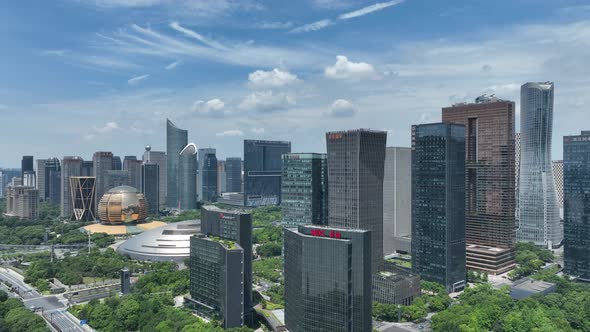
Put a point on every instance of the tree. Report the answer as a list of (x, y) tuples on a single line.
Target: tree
[(415, 311)]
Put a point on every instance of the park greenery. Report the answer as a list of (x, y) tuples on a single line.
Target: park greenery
[(266, 215), (269, 269), (434, 299), (183, 215), (15, 317), (530, 259)]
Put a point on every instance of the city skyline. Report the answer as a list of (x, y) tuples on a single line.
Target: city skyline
[(400, 71)]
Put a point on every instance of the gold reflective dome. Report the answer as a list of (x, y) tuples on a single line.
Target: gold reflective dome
[(122, 205)]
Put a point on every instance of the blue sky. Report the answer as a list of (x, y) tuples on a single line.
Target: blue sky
[(78, 76)]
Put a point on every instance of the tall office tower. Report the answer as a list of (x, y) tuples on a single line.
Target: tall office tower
[(133, 166), (51, 166), (41, 179), (517, 174), (30, 179), (221, 177), (2, 177), (557, 169), (22, 201), (26, 165), (176, 140), (7, 175), (262, 171), (397, 201), (304, 189), (117, 165), (438, 203), (489, 181), (187, 178), (327, 279), (115, 178), (356, 161), (101, 163), (208, 174), (70, 166), (158, 158), (576, 171), (233, 171), (150, 186), (221, 267), (201, 157), (539, 214), (87, 168), (83, 203)]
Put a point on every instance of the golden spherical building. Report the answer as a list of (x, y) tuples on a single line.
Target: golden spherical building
[(122, 204)]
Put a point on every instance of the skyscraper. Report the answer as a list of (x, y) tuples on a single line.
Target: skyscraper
[(150, 186), (576, 162), (133, 166), (70, 166), (83, 203), (26, 165), (87, 168), (116, 163), (328, 281), (115, 178), (22, 201), (397, 200), (356, 161), (539, 214), (262, 171), (187, 178), (202, 155), (557, 168), (53, 183), (41, 178), (101, 163), (51, 169), (233, 171), (304, 189), (517, 174), (438, 203), (176, 140), (208, 174), (158, 158), (489, 181), (221, 177)]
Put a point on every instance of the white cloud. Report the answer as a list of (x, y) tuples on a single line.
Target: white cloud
[(273, 78), (212, 108), (230, 133), (273, 25), (55, 52), (369, 9), (267, 101), (313, 26), (257, 130), (173, 65), (127, 3), (195, 35), (137, 79), (109, 127), (330, 4), (345, 69), (341, 108)]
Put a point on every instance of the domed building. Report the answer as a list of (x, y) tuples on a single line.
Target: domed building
[(121, 205)]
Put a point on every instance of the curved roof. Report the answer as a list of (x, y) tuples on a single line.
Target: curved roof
[(167, 243), (169, 123), (191, 148), (123, 189)]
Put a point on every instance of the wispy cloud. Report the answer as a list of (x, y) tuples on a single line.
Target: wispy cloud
[(273, 25), (173, 65), (54, 52), (109, 127), (313, 26), (230, 133), (195, 35), (137, 79)]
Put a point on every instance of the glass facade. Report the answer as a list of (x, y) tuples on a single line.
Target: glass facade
[(576, 171), (438, 203), (70, 166), (539, 220), (208, 174), (327, 279), (150, 186), (397, 200), (233, 171), (262, 171), (304, 189), (176, 140), (187, 178)]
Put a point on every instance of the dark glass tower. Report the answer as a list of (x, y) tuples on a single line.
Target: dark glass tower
[(304, 189), (187, 178), (117, 165), (438, 203), (150, 186), (176, 140), (327, 279), (52, 166), (356, 161), (233, 171), (262, 171), (208, 173), (102, 162), (26, 165), (576, 177)]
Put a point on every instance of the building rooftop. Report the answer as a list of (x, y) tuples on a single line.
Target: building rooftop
[(526, 287)]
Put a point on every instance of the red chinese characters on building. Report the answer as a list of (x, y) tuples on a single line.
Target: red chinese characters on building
[(322, 233)]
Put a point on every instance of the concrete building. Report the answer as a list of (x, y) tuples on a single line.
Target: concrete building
[(133, 166), (83, 189), (393, 285), (6, 176), (262, 171), (304, 189), (102, 162), (176, 140), (539, 212), (438, 204), (22, 201), (233, 171), (41, 178), (356, 161), (187, 178), (150, 186), (397, 201), (158, 158), (115, 178), (87, 168), (70, 166), (489, 181), (576, 162), (328, 279)]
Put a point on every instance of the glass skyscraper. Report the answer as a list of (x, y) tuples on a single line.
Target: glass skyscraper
[(150, 186), (201, 156), (438, 203), (304, 189), (539, 220), (176, 140), (397, 200), (187, 178), (70, 166), (576, 176), (208, 176), (233, 171)]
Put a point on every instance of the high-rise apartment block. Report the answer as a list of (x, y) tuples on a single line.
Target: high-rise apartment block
[(262, 171), (356, 161), (233, 175), (438, 203), (70, 166), (158, 158), (576, 167), (176, 140), (397, 200), (327, 274), (304, 189), (221, 267), (489, 181)]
